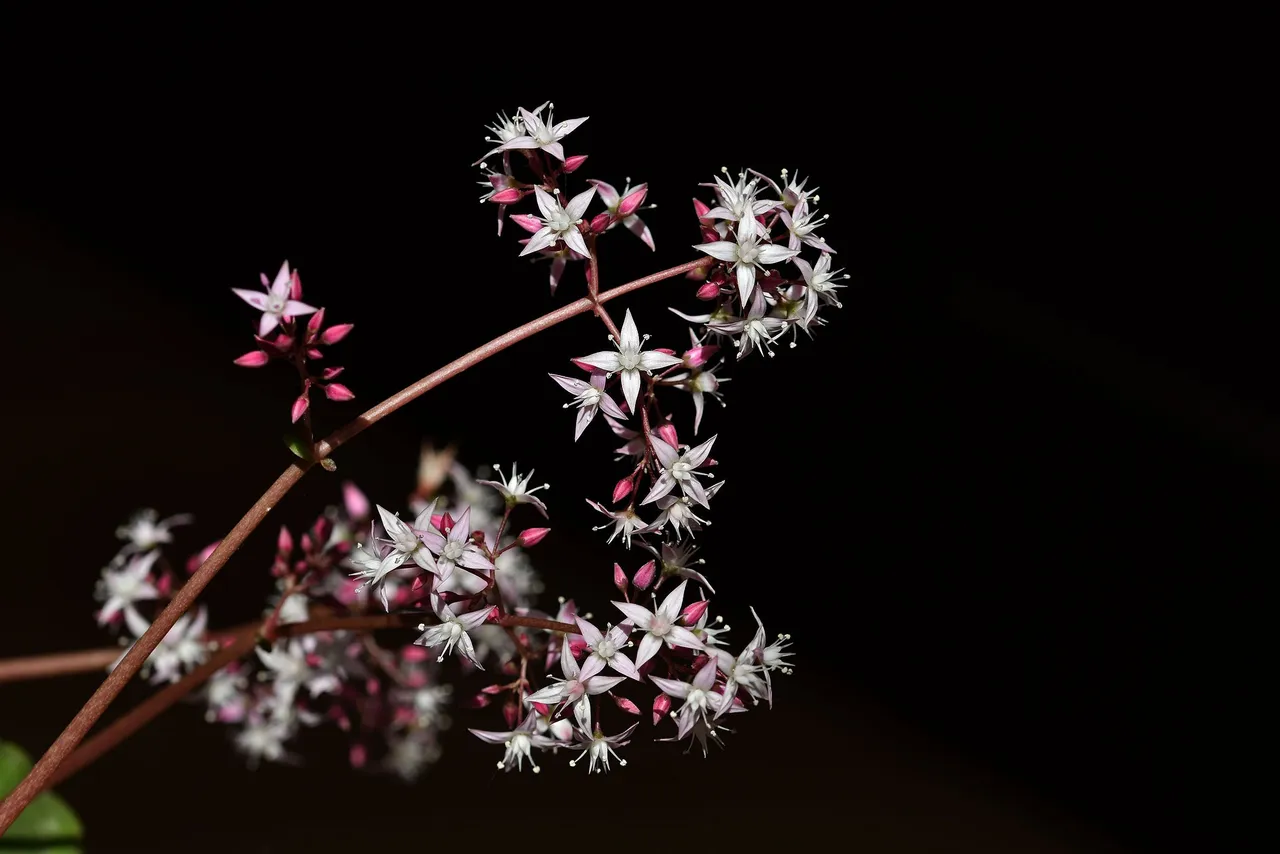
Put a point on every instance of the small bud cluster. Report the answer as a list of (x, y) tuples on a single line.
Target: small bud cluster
[(281, 305)]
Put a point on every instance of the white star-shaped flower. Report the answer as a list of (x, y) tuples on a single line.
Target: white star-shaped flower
[(746, 254), (630, 360), (560, 223), (275, 305)]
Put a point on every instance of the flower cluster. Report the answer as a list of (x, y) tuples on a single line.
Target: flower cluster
[(281, 306)]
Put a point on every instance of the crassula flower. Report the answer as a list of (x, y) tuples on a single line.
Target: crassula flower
[(455, 549), (678, 469), (452, 631), (659, 626), (515, 490), (144, 532), (751, 251), (560, 223), (544, 135), (630, 360), (590, 397), (121, 587), (275, 304), (518, 742)]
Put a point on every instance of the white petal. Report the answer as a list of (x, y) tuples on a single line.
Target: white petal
[(772, 253), (630, 335), (631, 387), (578, 204), (546, 203), (722, 250)]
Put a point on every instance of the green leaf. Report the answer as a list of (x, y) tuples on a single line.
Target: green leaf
[(296, 445), (46, 819)]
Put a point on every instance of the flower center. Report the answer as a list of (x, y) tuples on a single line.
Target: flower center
[(275, 305), (452, 551), (681, 470), (606, 649), (659, 626), (748, 253), (629, 360)]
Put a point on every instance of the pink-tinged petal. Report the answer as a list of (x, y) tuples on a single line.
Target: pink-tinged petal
[(266, 323), (639, 615), (569, 384), (544, 238), (671, 687), (636, 226), (491, 737), (661, 488), (693, 489), (473, 619), (746, 281), (293, 308), (444, 570), (772, 253), (253, 359), (461, 531), (590, 667), (547, 203), (555, 149), (600, 222), (700, 210), (681, 636), (339, 392), (706, 677), (589, 632), (549, 694), (697, 456), (630, 387), (283, 281), (585, 416), (610, 408), (649, 646), (721, 250), (509, 196), (601, 684), (623, 665), (698, 406), (572, 162), (569, 665), (567, 126), (518, 143), (605, 360), (630, 335), (574, 240), (300, 406), (432, 539), (473, 558), (528, 222), (671, 605), (577, 206), (608, 193), (667, 455), (655, 360)]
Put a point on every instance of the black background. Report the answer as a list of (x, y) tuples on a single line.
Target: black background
[(1010, 503)]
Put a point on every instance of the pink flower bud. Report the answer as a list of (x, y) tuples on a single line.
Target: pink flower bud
[(699, 356), (622, 489), (284, 541), (295, 286), (164, 584), (588, 368), (300, 406), (355, 501), (632, 200), (358, 755), (334, 334), (438, 522), (600, 222), (506, 197), (668, 433), (644, 576), (572, 162), (620, 579), (532, 536), (253, 359), (313, 353), (708, 291), (479, 701), (528, 222), (337, 391), (330, 373), (511, 712), (493, 689), (694, 611), (701, 211), (416, 585), (542, 709), (577, 646), (414, 653), (314, 323), (661, 706), (307, 544), (626, 705), (194, 562)]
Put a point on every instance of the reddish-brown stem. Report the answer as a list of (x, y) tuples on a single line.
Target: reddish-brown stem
[(75, 731), (593, 290), (57, 664), (538, 623)]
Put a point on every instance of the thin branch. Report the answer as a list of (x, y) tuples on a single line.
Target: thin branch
[(57, 664), (133, 660)]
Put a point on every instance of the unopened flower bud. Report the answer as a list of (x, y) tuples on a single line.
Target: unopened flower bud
[(620, 579), (661, 706), (708, 291), (253, 359), (284, 541), (334, 334), (532, 536), (600, 222), (337, 391), (622, 489), (314, 323), (668, 433), (506, 197), (632, 200), (577, 646), (644, 576), (572, 162), (355, 501), (511, 712), (694, 611), (358, 755), (300, 406), (528, 222), (626, 705)]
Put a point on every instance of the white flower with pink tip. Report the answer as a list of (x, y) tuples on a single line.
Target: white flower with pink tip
[(630, 360), (560, 223), (659, 626), (275, 304)]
